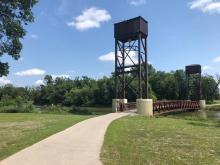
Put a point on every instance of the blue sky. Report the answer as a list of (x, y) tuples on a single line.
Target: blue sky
[(75, 37)]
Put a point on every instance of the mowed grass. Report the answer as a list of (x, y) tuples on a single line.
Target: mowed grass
[(216, 102), (213, 107), (140, 140), (18, 131)]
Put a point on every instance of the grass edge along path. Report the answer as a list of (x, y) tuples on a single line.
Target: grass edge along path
[(213, 107), (18, 131), (164, 140)]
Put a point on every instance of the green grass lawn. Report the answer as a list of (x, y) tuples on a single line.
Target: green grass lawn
[(168, 140), (18, 131), (216, 102), (215, 106)]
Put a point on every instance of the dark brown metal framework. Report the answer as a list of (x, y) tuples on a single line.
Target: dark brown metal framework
[(161, 107), (131, 37), (194, 73)]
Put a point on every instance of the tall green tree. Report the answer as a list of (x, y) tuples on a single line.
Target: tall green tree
[(180, 79), (14, 14), (210, 90)]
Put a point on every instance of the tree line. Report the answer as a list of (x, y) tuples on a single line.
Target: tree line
[(87, 91)]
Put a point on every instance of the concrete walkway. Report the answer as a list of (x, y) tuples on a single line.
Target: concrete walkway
[(78, 145)]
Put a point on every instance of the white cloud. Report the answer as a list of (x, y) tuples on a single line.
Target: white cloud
[(111, 57), (31, 72), (199, 3), (39, 82), (217, 59), (137, 2), (61, 76), (34, 36), (205, 68), (90, 18), (4, 80), (108, 57), (206, 6)]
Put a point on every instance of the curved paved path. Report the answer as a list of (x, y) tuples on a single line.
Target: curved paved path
[(78, 145)]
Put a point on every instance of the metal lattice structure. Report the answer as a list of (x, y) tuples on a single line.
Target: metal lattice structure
[(162, 107), (193, 78), (131, 40)]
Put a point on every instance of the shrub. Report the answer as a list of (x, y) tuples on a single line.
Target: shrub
[(54, 109), (79, 110), (17, 105)]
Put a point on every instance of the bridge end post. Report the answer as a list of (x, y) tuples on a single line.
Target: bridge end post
[(202, 104), (124, 101), (115, 105), (145, 107)]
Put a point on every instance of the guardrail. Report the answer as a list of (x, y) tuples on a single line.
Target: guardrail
[(127, 106), (163, 106)]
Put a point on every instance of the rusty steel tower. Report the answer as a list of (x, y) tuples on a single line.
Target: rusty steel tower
[(131, 57), (193, 78)]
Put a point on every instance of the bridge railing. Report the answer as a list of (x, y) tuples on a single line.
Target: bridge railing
[(165, 106), (127, 106)]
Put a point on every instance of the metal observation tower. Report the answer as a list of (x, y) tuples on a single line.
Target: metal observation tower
[(131, 41), (131, 74), (193, 78)]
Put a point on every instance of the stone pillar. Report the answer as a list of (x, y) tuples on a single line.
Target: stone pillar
[(202, 104), (115, 103), (145, 107), (124, 101)]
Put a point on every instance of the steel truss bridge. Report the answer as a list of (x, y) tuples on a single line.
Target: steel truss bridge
[(161, 107)]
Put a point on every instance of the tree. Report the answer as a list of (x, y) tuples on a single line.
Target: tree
[(48, 79), (210, 90), (164, 85), (218, 83), (217, 80), (104, 91), (13, 16), (181, 84)]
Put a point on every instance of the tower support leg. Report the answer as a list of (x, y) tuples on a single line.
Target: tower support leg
[(202, 104), (145, 107)]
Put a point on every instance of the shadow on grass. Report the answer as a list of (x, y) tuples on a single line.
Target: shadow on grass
[(205, 124), (74, 110), (89, 111), (200, 124)]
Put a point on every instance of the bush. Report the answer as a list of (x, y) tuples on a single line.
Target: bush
[(17, 105), (24, 108), (54, 109), (80, 110)]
